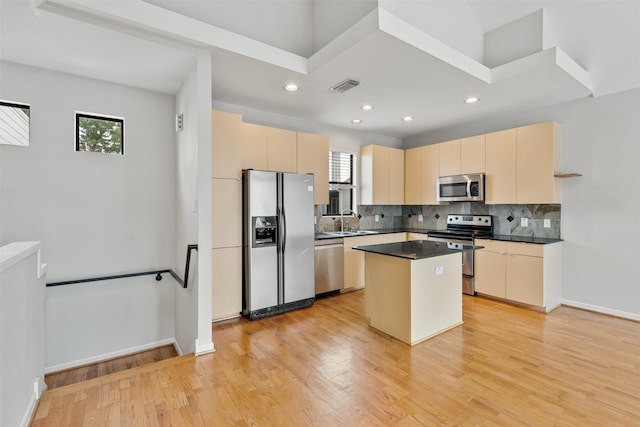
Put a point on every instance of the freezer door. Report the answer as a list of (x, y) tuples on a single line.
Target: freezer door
[(298, 242), (261, 262)]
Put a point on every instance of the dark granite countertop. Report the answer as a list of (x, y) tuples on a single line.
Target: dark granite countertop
[(502, 237), (525, 239), (413, 250)]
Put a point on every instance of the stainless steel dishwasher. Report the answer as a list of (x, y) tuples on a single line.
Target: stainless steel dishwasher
[(329, 254)]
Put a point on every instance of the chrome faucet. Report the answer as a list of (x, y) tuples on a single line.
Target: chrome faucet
[(342, 218)]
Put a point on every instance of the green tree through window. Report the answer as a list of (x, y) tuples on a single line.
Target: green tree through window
[(99, 134)]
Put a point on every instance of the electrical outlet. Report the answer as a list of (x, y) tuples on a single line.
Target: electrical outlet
[(377, 218), (439, 270), (547, 223), (315, 220), (420, 218), (524, 222)]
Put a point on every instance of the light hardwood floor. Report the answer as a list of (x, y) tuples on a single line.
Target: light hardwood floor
[(95, 370), (324, 366)]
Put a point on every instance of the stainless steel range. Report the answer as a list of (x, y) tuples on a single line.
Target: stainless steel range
[(463, 230)]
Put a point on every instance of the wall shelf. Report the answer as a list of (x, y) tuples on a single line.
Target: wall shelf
[(566, 175)]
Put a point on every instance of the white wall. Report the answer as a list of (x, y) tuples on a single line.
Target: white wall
[(193, 203), (22, 284), (96, 214), (600, 228)]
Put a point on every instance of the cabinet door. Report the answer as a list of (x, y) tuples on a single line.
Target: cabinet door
[(472, 152), (226, 148), (313, 157), (417, 236), (254, 146), (282, 150), (226, 292), (226, 212), (413, 176), (354, 260), (525, 279), (536, 163), (489, 269), (396, 176), (450, 158), (500, 183), (430, 173)]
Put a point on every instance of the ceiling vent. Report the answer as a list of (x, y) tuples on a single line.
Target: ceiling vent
[(345, 85)]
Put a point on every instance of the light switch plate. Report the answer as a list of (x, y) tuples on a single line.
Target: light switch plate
[(547, 223), (439, 270), (377, 218), (524, 222), (420, 218)]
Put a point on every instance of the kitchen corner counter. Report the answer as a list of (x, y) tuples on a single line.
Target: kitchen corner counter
[(413, 250)]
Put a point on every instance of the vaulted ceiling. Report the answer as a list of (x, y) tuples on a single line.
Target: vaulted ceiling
[(416, 58)]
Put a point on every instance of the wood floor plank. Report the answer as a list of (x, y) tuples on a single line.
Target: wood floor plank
[(324, 366)]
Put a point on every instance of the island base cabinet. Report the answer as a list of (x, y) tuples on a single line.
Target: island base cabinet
[(408, 300), (227, 283)]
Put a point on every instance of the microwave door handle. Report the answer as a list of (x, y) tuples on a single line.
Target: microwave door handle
[(469, 188)]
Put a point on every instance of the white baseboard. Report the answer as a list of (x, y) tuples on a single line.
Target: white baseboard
[(204, 348), (28, 413), (603, 310), (107, 356)]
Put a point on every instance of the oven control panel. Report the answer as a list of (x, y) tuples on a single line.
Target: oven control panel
[(469, 220)]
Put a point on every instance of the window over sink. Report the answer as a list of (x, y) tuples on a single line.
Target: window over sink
[(341, 183)]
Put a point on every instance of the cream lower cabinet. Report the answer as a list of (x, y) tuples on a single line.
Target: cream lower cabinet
[(522, 272), (417, 236), (226, 294)]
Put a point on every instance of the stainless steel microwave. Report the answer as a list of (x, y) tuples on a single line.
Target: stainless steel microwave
[(461, 188)]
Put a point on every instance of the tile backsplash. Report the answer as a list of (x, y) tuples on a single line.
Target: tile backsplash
[(435, 217)]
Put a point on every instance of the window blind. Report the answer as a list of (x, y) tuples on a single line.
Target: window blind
[(340, 170)]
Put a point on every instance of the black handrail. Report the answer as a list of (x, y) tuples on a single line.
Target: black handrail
[(158, 274)]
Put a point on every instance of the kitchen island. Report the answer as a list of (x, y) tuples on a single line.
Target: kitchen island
[(413, 290)]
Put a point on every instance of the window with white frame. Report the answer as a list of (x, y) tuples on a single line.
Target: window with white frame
[(341, 183)]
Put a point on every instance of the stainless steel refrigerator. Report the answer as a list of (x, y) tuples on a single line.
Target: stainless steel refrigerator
[(278, 242)]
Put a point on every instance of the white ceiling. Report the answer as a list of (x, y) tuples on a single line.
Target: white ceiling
[(406, 65)]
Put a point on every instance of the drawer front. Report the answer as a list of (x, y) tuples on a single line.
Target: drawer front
[(528, 249), (491, 245)]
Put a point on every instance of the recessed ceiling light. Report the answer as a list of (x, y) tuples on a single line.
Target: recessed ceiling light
[(291, 87), (471, 100), (407, 119), (367, 107), (356, 121)]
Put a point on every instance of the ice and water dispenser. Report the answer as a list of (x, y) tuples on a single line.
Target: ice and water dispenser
[(264, 231)]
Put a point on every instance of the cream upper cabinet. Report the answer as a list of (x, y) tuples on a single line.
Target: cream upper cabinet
[(472, 154), (450, 158), (226, 148), (538, 158), (381, 175), (430, 173), (282, 150), (254, 146), (413, 176), (500, 180), (396, 176), (267, 148), (313, 157)]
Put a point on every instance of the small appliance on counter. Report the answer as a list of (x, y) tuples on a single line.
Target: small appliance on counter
[(278, 242)]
